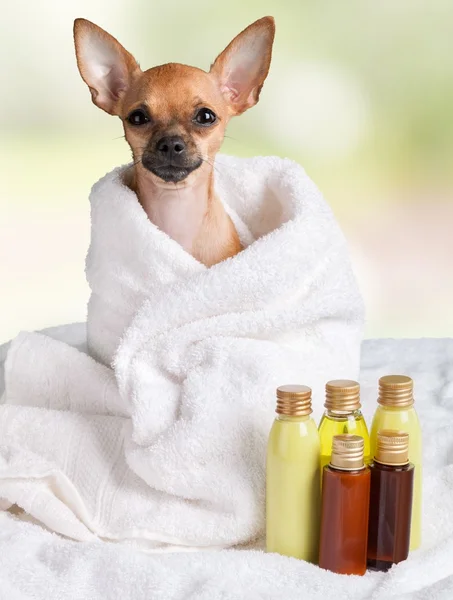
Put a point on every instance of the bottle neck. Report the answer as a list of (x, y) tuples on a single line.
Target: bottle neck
[(288, 419), (347, 471), (343, 414), (391, 408), (383, 467)]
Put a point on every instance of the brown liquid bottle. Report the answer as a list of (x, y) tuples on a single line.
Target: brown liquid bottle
[(345, 505), (392, 482)]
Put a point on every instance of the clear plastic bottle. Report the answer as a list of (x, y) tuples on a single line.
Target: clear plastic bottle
[(396, 411), (342, 416), (292, 477)]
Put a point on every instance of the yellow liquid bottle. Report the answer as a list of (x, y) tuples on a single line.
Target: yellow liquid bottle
[(342, 416), (396, 411), (292, 477)]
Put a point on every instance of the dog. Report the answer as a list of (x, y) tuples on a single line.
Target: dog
[(174, 118)]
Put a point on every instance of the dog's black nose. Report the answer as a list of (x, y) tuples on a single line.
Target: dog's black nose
[(171, 146)]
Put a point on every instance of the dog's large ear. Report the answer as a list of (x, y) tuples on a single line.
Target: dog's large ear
[(244, 64), (105, 66)]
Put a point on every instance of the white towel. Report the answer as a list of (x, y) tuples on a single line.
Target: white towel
[(37, 565), (168, 448)]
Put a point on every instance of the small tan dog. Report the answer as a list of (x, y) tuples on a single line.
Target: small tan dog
[(174, 118)]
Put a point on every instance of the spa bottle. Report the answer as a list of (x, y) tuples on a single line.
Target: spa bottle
[(396, 411), (292, 477), (392, 479), (345, 505), (342, 415)]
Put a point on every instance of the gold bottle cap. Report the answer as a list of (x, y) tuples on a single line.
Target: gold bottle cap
[(392, 447), (342, 395), (294, 400), (347, 452), (396, 390)]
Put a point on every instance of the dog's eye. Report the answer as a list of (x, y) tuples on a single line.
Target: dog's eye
[(138, 117), (205, 117)]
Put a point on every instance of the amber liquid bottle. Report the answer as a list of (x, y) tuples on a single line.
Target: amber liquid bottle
[(345, 505), (392, 482)]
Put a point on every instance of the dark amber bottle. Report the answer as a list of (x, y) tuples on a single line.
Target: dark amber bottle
[(345, 505), (392, 482)]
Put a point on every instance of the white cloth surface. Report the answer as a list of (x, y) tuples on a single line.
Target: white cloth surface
[(36, 564), (167, 448)]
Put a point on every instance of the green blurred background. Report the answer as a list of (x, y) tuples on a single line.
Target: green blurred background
[(360, 93)]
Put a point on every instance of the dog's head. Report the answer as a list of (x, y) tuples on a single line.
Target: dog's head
[(174, 116)]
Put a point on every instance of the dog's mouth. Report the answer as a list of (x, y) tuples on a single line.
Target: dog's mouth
[(171, 173)]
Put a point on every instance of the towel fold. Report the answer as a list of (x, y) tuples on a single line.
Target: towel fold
[(159, 436)]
